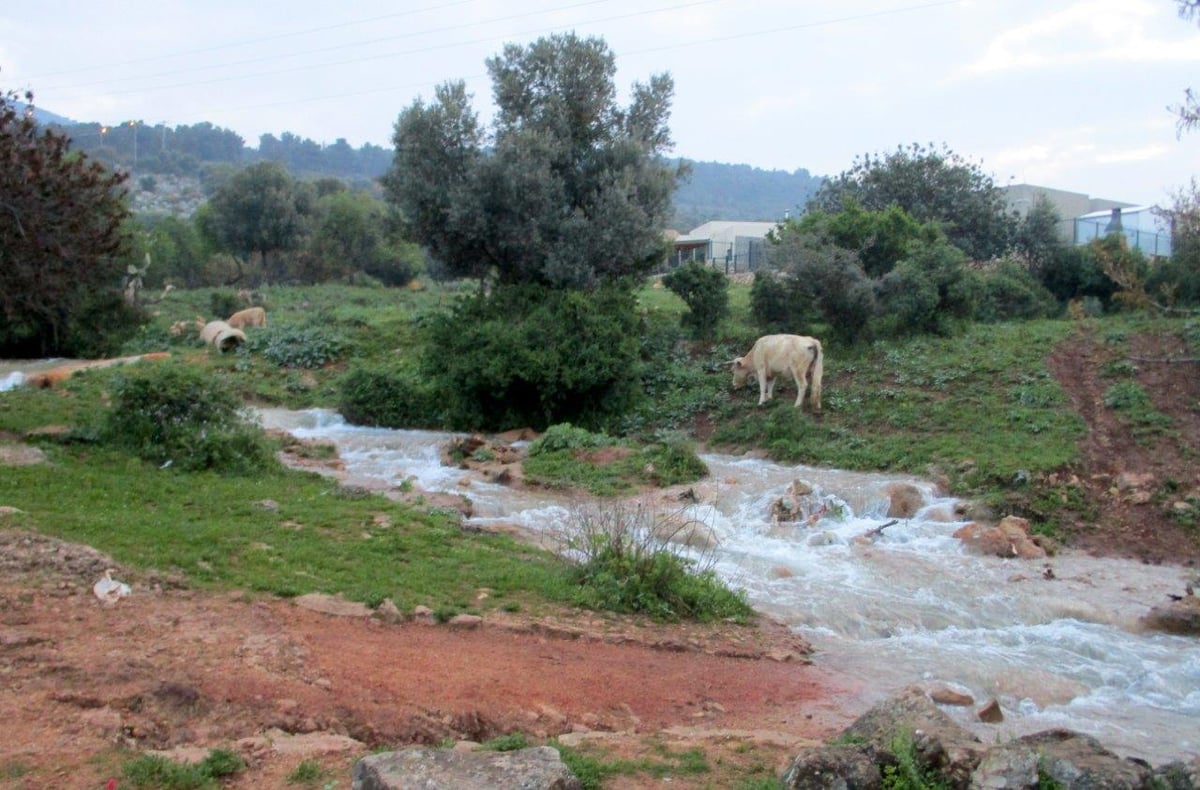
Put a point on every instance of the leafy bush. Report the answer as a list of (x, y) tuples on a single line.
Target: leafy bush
[(705, 290), (388, 397), (565, 436), (173, 414), (828, 283), (672, 461), (908, 772), (771, 306), (622, 562), (930, 292), (296, 346), (1009, 292), (526, 355)]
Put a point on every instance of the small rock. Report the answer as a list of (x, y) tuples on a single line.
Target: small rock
[(466, 621), (991, 713)]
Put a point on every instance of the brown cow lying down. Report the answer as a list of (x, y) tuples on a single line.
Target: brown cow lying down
[(773, 355), (251, 316), (222, 336)]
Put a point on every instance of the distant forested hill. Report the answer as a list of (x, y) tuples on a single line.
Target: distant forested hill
[(713, 191), (740, 192)]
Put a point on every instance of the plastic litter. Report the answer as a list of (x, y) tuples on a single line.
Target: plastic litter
[(110, 590)]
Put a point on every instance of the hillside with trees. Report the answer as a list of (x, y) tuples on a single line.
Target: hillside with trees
[(708, 190)]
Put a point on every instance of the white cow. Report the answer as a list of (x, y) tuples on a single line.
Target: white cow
[(773, 355)]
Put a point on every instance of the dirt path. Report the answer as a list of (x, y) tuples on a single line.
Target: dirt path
[(1131, 480), (188, 671)]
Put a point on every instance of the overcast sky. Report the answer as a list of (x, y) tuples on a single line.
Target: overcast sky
[(1071, 94)]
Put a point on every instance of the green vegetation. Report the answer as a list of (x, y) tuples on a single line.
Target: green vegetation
[(569, 457), (307, 772), (629, 561), (908, 773), (705, 290), (172, 414), (591, 767), (159, 773)]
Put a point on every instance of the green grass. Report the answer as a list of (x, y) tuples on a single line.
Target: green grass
[(975, 408), (214, 531), (307, 772), (159, 773), (592, 767)]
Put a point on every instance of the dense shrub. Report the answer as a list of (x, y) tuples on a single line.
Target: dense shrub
[(770, 305), (705, 290), (388, 397), (930, 292), (527, 355), (1075, 273), (171, 414), (1009, 292), (297, 346)]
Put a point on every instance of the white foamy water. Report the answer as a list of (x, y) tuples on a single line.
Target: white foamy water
[(1057, 649)]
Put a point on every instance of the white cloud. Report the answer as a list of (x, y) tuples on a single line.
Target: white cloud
[(1089, 32), (1144, 154)]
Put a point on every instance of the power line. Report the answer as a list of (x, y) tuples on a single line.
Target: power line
[(350, 45), (259, 40)]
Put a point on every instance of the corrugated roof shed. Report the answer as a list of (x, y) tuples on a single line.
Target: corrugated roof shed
[(726, 231)]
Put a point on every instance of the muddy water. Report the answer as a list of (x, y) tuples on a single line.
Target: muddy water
[(1056, 642)]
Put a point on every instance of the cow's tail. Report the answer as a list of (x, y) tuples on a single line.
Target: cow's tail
[(815, 370)]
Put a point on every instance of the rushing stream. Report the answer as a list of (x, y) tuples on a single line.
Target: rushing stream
[(1055, 641)]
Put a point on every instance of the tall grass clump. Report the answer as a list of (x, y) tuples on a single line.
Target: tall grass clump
[(173, 414), (627, 558)]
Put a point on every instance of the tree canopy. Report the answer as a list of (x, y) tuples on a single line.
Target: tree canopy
[(62, 245), (931, 184), (565, 189), (259, 213)]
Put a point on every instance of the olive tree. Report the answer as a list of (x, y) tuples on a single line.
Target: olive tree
[(62, 243), (565, 189), (259, 214), (557, 205)]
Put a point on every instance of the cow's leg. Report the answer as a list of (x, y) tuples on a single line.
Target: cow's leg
[(800, 374), (764, 388)]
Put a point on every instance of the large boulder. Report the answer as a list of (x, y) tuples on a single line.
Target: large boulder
[(905, 500), (1058, 758), (908, 720), (1009, 538), (834, 767), (907, 739), (421, 768)]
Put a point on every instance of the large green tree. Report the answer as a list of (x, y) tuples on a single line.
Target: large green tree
[(62, 244), (933, 185), (565, 189), (260, 214)]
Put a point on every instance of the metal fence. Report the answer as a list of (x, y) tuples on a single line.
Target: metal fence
[(743, 254), (1152, 243)]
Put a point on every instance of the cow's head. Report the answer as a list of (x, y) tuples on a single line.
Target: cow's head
[(740, 371)]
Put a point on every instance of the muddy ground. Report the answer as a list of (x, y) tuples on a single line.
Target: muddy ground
[(170, 669)]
